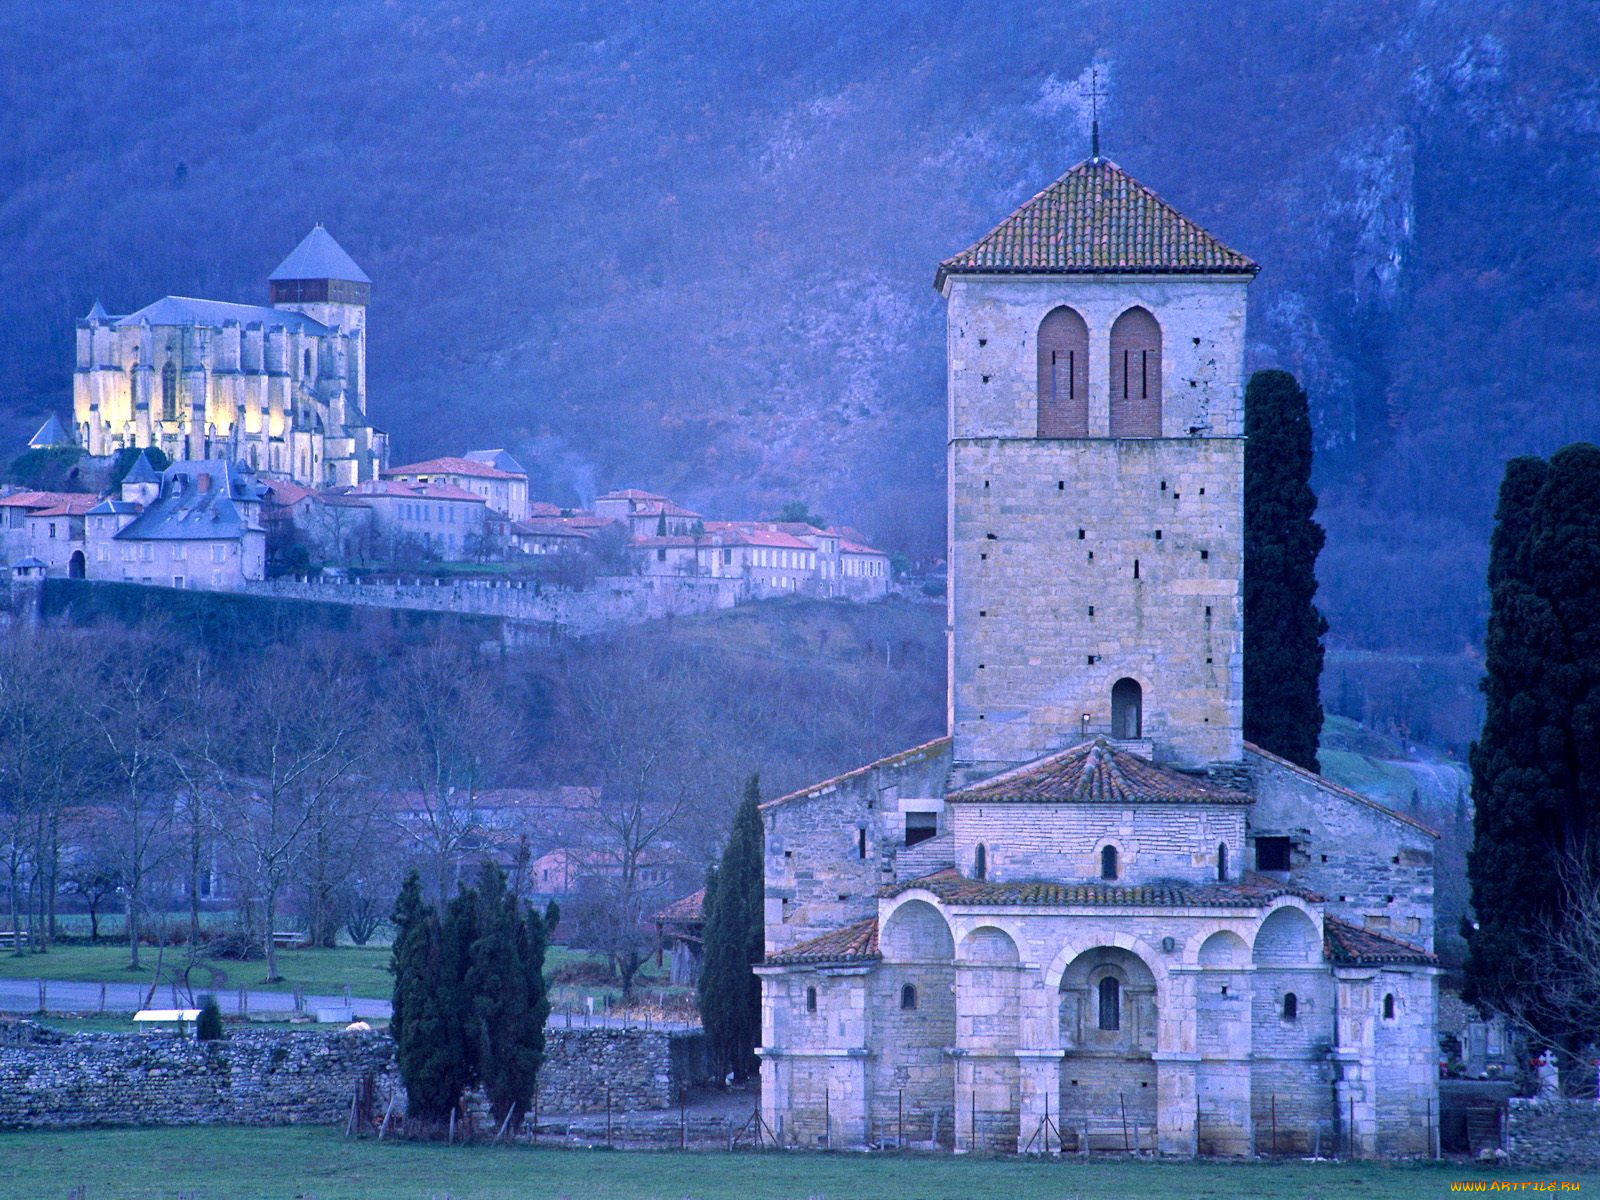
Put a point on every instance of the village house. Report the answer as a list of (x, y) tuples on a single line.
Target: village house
[(440, 519), (505, 492)]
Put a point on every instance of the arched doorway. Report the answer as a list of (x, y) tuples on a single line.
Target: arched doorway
[(1127, 710), (77, 565)]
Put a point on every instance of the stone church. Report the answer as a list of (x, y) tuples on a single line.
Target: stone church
[(282, 388), (1093, 912)]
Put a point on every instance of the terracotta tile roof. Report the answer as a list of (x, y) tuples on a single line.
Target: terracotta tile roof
[(1350, 944), (1251, 892), (1095, 773), (541, 508), (38, 499), (688, 910), (450, 466), (1096, 219), (937, 746), (1338, 789), (853, 943), (412, 491), (69, 506)]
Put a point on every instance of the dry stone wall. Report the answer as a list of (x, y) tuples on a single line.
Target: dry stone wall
[(49, 1080), (1555, 1135)]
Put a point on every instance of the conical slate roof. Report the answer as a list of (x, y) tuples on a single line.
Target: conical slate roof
[(51, 433), (1096, 219), (318, 256), (98, 313), (142, 471)]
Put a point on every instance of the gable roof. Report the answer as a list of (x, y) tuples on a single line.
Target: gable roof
[(1095, 773), (1096, 219), (318, 256), (938, 746), (689, 909), (1338, 789), (189, 310), (1352, 945), (142, 471), (500, 459), (853, 943)]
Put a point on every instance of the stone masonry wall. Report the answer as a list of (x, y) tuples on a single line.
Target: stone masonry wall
[(283, 1078), (1553, 1135)]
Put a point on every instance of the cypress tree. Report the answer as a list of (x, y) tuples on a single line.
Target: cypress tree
[(429, 1047), (505, 987), (1282, 627), (1536, 767), (407, 912), (730, 993)]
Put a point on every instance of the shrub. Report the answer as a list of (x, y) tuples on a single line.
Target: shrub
[(209, 1027)]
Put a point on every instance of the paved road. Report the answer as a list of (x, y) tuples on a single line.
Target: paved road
[(24, 996)]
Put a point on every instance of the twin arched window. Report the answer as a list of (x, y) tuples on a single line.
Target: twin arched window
[(1063, 375)]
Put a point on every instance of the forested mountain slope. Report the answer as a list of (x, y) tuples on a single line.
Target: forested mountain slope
[(690, 246)]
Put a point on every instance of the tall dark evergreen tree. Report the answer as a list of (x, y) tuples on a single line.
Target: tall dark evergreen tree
[(730, 993), (1282, 627), (427, 1026), (1536, 768), (507, 1008)]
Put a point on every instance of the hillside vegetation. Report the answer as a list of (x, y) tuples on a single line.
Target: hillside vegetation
[(691, 249)]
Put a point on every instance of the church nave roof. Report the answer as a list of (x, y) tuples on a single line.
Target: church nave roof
[(1095, 773), (853, 943)]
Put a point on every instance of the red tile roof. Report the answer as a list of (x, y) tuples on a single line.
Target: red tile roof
[(1096, 773), (688, 910), (450, 465), (1096, 219), (71, 505), (1254, 891), (853, 943), (411, 491), (39, 499), (1348, 944)]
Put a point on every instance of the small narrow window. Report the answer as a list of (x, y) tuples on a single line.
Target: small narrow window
[(1205, 555), (811, 999), (1136, 568), (1108, 862), (908, 998), (1110, 1004), (1291, 1006), (980, 862), (861, 843), (1388, 1007), (1222, 862)]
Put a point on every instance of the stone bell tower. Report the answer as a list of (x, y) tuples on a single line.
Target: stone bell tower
[(1096, 468), (322, 281)]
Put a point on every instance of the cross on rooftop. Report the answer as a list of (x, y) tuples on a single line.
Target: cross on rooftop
[(1094, 108)]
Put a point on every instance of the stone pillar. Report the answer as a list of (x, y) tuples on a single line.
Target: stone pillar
[(1039, 1087), (1355, 1060)]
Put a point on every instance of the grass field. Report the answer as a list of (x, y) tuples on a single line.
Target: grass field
[(317, 972), (317, 1164)]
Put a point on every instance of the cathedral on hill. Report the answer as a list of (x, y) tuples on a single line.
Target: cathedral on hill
[(1092, 915), (280, 387)]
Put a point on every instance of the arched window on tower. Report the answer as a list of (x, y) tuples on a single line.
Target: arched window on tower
[(908, 997), (1110, 1004), (1108, 862), (1388, 1007), (169, 391), (1291, 1006), (1127, 710), (1136, 375), (980, 862), (1063, 375), (1222, 862)]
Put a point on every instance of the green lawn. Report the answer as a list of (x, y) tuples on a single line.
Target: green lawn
[(242, 1164), (317, 972)]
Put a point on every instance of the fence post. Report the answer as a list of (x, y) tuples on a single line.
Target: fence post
[(244, 1001), (608, 1116), (972, 1134), (900, 1141), (102, 997), (827, 1119), (1352, 1125), (1274, 1124), (41, 996), (683, 1119), (1122, 1102)]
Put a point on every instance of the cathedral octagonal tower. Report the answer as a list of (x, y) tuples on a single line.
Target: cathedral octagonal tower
[(1096, 472)]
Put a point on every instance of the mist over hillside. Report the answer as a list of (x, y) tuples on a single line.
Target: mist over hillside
[(691, 247)]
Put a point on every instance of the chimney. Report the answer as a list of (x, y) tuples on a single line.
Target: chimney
[(202, 482)]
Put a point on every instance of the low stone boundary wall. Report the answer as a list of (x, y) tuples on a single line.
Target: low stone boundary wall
[(1553, 1135), (49, 1080)]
